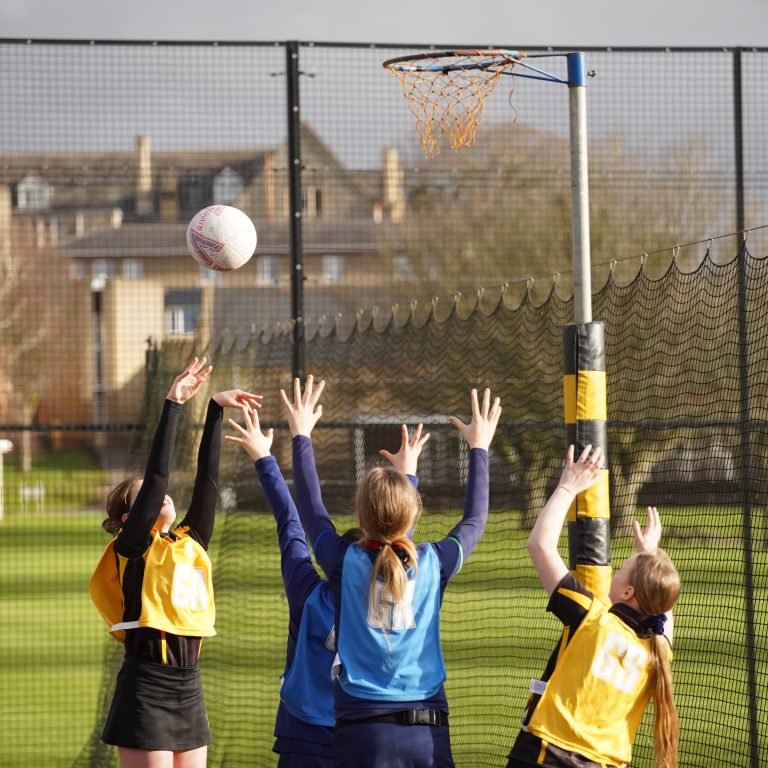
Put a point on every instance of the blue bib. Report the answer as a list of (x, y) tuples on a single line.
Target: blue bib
[(404, 662), (307, 689)]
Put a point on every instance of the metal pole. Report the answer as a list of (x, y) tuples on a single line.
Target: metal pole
[(746, 422), (5, 447), (738, 139), (582, 276), (294, 187)]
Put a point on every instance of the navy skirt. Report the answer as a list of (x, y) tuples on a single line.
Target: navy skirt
[(157, 707)]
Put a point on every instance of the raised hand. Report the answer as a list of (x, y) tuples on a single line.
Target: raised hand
[(579, 475), (479, 432), (237, 398), (647, 539), (189, 381), (406, 459), (256, 443), (303, 412)]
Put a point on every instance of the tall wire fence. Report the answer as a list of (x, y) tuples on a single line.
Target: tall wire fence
[(421, 277)]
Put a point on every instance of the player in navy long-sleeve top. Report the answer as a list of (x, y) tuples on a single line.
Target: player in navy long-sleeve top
[(304, 723), (387, 594), (305, 717)]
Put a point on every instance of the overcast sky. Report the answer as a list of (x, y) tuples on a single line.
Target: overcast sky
[(510, 23)]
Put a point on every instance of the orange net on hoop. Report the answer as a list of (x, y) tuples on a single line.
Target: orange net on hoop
[(446, 93)]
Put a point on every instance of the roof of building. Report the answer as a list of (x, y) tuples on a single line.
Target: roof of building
[(88, 179), (154, 240)]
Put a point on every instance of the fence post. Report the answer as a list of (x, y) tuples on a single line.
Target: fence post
[(6, 446), (746, 486), (294, 182), (738, 138), (745, 415)]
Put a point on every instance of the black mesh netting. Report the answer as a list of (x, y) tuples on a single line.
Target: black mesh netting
[(687, 363)]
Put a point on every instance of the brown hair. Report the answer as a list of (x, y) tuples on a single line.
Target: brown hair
[(657, 587), (387, 508), (118, 504)]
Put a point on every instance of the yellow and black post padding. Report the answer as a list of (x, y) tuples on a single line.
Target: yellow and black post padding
[(586, 411)]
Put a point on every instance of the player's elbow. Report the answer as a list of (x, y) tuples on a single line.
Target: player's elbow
[(535, 546)]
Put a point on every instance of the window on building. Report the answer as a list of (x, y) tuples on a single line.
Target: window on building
[(402, 268), (33, 194), (227, 187), (267, 270), (195, 191), (177, 321), (333, 269), (182, 309), (133, 269), (102, 268), (77, 269), (311, 202), (53, 229), (209, 276)]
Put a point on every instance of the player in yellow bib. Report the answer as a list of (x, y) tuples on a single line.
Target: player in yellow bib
[(153, 588), (612, 659)]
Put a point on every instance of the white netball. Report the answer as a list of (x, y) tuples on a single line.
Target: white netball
[(221, 237)]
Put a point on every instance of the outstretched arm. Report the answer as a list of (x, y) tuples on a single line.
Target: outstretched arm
[(576, 477), (202, 508), (303, 413), (647, 541), (478, 434), (299, 574), (406, 459), (149, 500)]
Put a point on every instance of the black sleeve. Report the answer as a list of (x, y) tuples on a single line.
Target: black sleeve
[(133, 538), (200, 515), (570, 601)]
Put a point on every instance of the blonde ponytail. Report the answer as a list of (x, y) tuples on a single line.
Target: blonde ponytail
[(666, 726), (387, 509)]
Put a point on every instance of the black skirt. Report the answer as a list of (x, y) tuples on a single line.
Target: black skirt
[(157, 707)]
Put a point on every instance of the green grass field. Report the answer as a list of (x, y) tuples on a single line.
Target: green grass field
[(496, 636)]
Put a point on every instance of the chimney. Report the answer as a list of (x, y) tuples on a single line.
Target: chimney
[(144, 176), (6, 209), (394, 187), (169, 196)]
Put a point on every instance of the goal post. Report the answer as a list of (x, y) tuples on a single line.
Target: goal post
[(446, 92)]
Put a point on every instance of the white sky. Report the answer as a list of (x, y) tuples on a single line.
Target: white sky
[(510, 23)]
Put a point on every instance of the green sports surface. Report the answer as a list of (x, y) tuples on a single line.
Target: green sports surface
[(53, 682)]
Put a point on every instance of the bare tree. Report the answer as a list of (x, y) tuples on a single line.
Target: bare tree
[(501, 211), (30, 314)]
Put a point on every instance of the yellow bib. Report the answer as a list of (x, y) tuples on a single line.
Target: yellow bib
[(176, 593), (596, 696)]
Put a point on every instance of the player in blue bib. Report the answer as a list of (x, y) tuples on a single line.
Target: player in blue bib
[(305, 717), (390, 703)]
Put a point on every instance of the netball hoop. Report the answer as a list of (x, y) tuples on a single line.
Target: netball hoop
[(446, 92)]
